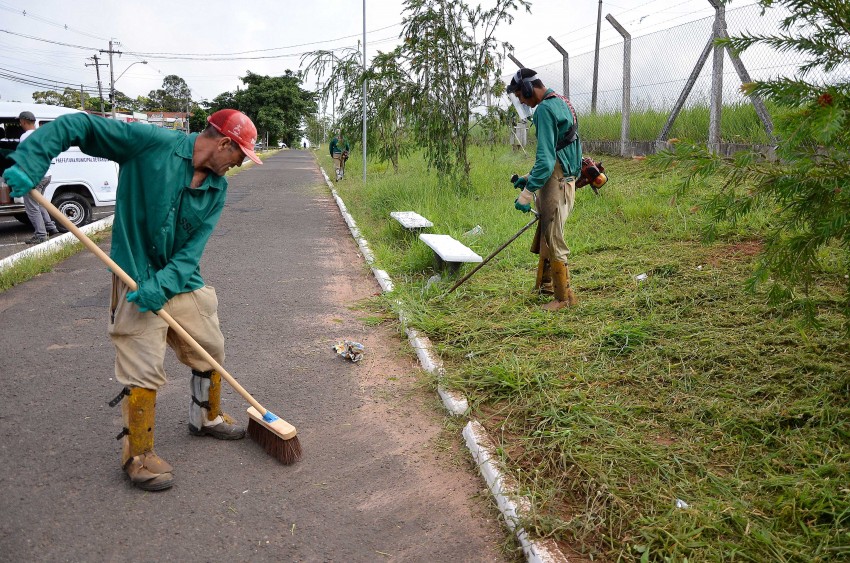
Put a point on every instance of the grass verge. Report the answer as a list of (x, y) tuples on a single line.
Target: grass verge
[(41, 263), (673, 418)]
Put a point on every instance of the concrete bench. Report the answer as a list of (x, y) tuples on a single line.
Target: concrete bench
[(449, 252), (411, 220)]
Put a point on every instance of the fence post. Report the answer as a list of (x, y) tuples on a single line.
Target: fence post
[(683, 96), (565, 75), (516, 62), (596, 60), (627, 83), (758, 103), (716, 102)]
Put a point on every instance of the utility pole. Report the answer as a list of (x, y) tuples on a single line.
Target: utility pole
[(82, 98), (596, 61), (97, 66), (111, 51), (364, 93)]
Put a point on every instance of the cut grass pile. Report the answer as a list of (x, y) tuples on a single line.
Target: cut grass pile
[(670, 418)]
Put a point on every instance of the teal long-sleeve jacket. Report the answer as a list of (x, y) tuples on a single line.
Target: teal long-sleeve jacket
[(552, 119), (161, 224), (339, 145)]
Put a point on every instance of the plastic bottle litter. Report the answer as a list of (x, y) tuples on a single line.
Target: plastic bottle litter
[(476, 230), (432, 280), (350, 350)]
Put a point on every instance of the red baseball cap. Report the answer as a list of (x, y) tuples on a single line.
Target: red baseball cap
[(239, 128)]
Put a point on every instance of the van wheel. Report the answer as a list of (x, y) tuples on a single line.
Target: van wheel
[(22, 217), (75, 207)]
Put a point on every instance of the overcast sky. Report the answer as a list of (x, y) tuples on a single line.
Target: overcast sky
[(161, 31)]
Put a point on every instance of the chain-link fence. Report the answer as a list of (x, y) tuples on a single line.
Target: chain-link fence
[(661, 65)]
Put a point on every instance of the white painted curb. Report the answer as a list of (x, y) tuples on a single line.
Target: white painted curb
[(52, 245), (510, 504)]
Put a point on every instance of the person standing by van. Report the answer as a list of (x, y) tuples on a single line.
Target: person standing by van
[(38, 216)]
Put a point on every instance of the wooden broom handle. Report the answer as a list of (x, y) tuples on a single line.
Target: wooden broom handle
[(131, 283)]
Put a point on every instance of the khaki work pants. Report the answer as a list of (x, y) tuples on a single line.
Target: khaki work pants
[(141, 339), (555, 201)]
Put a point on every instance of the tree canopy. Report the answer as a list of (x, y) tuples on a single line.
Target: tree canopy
[(276, 104)]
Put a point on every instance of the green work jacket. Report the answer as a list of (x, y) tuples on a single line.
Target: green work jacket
[(337, 147), (161, 225), (552, 119)]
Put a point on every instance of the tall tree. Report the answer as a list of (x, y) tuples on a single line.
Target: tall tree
[(388, 102), (69, 98), (452, 53), (175, 95), (277, 104), (808, 186)]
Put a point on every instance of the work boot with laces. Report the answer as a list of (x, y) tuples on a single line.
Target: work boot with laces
[(205, 415)]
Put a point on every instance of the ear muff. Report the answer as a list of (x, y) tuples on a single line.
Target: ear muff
[(525, 83)]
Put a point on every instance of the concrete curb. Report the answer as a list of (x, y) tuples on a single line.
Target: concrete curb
[(54, 244), (480, 444)]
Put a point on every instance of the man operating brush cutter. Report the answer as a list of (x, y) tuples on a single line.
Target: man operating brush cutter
[(556, 167), (171, 194)]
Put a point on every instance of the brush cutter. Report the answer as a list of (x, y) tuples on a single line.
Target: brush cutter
[(274, 434), (501, 248)]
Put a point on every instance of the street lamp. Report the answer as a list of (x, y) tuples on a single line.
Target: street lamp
[(112, 93)]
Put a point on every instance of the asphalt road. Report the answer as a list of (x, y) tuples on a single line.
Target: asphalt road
[(380, 479), (13, 233)]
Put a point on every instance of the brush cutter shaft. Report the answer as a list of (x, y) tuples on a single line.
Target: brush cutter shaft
[(495, 252), (131, 283)]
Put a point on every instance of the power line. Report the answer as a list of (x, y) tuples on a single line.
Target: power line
[(152, 54), (66, 27)]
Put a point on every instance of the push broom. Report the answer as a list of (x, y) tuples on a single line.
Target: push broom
[(274, 434)]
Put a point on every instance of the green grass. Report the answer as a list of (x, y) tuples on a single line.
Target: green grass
[(36, 264), (739, 124), (682, 386)]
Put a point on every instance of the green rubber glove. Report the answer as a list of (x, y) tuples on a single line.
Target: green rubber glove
[(149, 296), (524, 207), (18, 181), (521, 182), (523, 202)]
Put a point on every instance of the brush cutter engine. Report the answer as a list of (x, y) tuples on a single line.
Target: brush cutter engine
[(592, 174)]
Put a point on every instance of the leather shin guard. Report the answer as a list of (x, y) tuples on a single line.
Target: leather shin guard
[(543, 283), (139, 412), (146, 470), (564, 296)]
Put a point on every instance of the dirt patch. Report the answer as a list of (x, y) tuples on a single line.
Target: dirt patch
[(735, 251)]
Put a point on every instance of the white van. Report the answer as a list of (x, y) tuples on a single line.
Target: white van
[(78, 181)]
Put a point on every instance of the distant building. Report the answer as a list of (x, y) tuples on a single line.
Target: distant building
[(169, 119)]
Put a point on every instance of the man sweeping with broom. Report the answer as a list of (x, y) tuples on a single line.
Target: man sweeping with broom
[(171, 193)]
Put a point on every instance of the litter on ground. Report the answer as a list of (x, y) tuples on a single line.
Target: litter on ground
[(350, 350)]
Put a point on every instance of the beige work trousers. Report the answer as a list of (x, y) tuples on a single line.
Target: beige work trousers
[(141, 339), (555, 201)]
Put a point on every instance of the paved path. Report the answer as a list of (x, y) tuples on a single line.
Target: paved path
[(379, 480)]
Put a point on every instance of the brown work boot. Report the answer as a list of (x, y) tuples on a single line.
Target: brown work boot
[(205, 415), (145, 469), (564, 296)]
